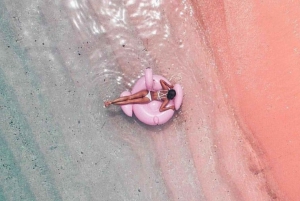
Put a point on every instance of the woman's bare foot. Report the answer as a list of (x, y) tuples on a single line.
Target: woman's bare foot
[(107, 103)]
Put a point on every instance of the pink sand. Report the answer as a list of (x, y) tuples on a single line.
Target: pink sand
[(256, 49), (241, 105), (236, 136), (214, 159)]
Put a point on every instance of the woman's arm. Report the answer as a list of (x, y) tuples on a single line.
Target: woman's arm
[(165, 85), (164, 104)]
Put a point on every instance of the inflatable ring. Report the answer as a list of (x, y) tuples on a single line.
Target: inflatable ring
[(149, 113)]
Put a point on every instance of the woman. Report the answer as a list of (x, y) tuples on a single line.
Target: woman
[(145, 96)]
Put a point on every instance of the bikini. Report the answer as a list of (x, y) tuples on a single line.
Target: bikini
[(159, 96), (149, 96)]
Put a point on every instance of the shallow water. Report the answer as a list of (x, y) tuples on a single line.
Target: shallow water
[(61, 60)]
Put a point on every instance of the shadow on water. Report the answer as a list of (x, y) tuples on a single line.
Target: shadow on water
[(112, 113)]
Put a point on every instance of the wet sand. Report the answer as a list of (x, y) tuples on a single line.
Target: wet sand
[(258, 63), (235, 137)]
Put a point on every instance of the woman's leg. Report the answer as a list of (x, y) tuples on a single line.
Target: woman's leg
[(132, 101), (139, 94)]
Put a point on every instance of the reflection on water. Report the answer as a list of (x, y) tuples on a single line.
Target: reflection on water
[(119, 33)]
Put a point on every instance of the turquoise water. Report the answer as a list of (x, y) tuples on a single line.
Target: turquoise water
[(59, 61)]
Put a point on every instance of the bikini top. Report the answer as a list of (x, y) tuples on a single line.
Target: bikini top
[(161, 95)]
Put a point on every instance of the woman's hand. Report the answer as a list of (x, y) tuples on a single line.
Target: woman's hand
[(164, 108), (165, 85)]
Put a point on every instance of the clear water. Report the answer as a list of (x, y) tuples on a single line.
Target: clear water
[(59, 61)]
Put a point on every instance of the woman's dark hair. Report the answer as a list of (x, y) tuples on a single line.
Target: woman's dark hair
[(171, 94)]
